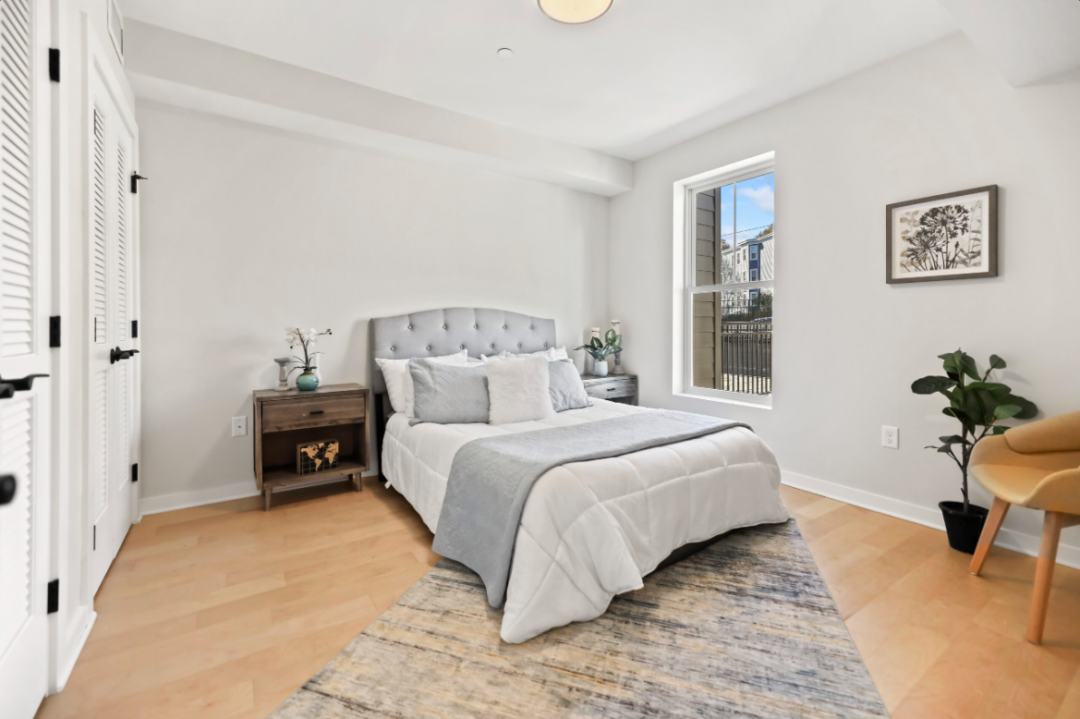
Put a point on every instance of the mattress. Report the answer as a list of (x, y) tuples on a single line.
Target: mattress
[(592, 530)]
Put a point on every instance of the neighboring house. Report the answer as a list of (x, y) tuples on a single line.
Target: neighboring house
[(749, 261)]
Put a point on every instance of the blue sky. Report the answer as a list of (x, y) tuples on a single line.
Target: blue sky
[(754, 201)]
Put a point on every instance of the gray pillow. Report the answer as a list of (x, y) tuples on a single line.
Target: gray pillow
[(448, 394), (566, 388)]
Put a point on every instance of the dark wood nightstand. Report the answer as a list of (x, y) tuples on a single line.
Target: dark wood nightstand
[(285, 419), (617, 388)]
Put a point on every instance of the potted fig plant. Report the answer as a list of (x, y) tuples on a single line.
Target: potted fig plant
[(600, 350), (979, 404)]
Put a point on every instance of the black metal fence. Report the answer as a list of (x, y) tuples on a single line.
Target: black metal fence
[(746, 356)]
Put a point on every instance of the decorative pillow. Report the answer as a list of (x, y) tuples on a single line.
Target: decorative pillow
[(399, 382), (552, 354), (565, 386), (448, 394), (519, 389)]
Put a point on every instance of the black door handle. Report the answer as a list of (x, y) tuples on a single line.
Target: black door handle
[(7, 489), (8, 387), (116, 354)]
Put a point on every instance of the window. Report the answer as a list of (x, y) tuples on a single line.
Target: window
[(728, 251)]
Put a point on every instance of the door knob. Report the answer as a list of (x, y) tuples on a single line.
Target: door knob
[(7, 489), (116, 354)]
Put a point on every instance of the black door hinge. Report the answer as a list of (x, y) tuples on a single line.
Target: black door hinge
[(135, 177), (54, 64), (135, 472), (54, 331), (95, 538), (54, 597), (134, 329)]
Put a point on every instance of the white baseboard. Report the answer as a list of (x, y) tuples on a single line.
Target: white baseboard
[(64, 672), (926, 516), (197, 497)]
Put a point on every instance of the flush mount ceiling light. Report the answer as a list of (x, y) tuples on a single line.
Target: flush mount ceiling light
[(574, 12), (504, 52)]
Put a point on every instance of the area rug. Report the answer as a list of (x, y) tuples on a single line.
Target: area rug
[(743, 628)]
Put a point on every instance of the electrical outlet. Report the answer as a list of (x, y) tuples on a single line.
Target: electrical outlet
[(890, 437), (239, 426)]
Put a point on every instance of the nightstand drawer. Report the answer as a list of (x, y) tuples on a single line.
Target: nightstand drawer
[(613, 388), (289, 414)]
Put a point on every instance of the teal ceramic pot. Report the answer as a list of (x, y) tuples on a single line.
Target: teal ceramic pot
[(307, 382)]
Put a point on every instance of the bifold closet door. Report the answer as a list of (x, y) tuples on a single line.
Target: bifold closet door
[(112, 273), (24, 353)]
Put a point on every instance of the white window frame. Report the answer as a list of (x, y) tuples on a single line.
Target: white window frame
[(684, 274)]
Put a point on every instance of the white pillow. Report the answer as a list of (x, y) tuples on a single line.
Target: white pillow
[(399, 383), (552, 354), (518, 389)]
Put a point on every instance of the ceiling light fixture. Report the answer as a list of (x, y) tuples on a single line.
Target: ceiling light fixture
[(504, 52), (574, 12)]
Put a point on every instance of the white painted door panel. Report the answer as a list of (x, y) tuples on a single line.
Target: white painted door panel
[(111, 268), (24, 351)]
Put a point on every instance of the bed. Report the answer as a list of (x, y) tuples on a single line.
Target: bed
[(588, 530)]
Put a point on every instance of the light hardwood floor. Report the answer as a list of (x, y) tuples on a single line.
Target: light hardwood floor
[(223, 611)]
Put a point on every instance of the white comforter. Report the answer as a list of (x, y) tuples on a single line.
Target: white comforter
[(592, 530)]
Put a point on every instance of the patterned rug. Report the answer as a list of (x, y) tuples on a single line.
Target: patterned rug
[(743, 628)]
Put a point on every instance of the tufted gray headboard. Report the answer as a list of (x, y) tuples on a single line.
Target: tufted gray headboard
[(441, 332)]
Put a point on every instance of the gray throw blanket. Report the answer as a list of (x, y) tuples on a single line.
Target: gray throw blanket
[(491, 478)]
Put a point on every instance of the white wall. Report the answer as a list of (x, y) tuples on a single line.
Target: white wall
[(847, 345), (247, 229)]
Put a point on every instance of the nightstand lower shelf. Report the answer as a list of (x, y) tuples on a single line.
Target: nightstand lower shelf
[(285, 479)]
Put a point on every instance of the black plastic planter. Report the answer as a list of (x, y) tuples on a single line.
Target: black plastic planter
[(963, 529)]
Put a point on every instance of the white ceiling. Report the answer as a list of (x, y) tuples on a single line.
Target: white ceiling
[(1028, 40), (645, 76)]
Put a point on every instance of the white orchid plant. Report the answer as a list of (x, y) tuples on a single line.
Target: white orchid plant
[(305, 338)]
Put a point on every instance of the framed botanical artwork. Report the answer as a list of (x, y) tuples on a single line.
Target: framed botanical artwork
[(945, 237)]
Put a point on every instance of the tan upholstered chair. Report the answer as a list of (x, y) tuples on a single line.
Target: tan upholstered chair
[(1036, 465)]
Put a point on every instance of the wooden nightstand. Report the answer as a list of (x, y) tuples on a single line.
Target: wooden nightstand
[(621, 388), (285, 419)]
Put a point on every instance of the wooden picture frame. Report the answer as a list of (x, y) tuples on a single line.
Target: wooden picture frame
[(944, 237)]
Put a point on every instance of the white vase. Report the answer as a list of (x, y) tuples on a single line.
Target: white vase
[(599, 368)]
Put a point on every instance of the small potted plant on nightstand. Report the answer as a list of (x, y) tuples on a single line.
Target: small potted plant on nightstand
[(979, 405), (308, 380), (600, 350)]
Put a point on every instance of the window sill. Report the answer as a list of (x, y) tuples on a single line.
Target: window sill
[(726, 398)]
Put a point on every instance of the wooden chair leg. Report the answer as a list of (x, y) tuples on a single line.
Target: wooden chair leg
[(1044, 574), (990, 530)]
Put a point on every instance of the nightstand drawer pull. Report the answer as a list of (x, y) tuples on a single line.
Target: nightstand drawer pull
[(316, 411), (612, 389)]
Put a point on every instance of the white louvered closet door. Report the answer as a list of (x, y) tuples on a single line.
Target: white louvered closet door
[(112, 272), (24, 351)]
